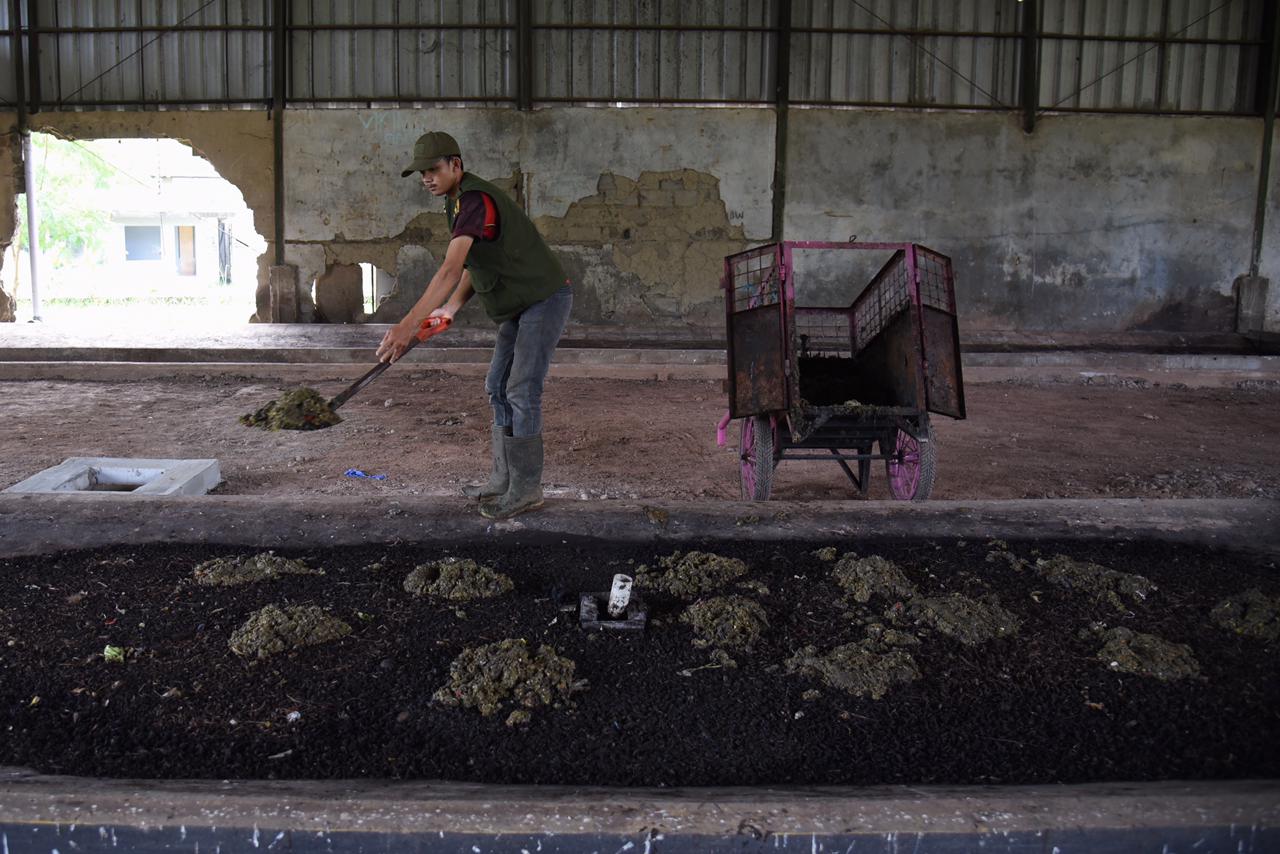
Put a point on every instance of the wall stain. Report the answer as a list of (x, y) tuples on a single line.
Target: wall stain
[(650, 248)]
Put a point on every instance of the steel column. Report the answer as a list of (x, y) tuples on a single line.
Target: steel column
[(278, 59), (782, 108), (34, 98), (524, 55), (1030, 71), (19, 73), (1268, 132), (28, 163)]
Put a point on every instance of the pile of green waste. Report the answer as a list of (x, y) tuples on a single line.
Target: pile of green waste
[(863, 669), (457, 580), (1146, 655), (1251, 614), (300, 409), (690, 575), (507, 672), (733, 622), (272, 630), (233, 571)]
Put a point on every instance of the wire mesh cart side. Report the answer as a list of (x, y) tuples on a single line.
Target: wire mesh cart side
[(836, 383)]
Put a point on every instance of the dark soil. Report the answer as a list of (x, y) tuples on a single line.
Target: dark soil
[(1035, 707)]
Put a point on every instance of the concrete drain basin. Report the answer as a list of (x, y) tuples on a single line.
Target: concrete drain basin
[(937, 690), (123, 476)]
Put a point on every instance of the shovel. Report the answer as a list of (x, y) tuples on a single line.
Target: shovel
[(430, 326)]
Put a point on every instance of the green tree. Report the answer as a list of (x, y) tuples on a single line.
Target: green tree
[(71, 225)]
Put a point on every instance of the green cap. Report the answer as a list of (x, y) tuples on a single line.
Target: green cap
[(429, 148)]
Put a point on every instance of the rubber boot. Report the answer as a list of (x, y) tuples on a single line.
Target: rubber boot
[(524, 460), (498, 478)]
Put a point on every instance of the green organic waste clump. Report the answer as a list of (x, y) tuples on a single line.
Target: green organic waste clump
[(861, 669), (1100, 582), (271, 630), (733, 622), (690, 575), (300, 409), (486, 677), (1251, 614), (970, 621), (456, 580), (1146, 655), (864, 577), (234, 571)]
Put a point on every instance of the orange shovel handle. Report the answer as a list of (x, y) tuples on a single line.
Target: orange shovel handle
[(433, 326)]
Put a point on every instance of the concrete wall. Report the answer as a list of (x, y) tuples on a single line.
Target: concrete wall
[(642, 205), (1090, 223), (1102, 223)]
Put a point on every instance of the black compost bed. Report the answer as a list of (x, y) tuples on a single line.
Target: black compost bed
[(1035, 708)]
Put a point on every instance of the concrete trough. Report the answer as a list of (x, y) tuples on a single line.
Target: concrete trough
[(123, 476), (44, 813)]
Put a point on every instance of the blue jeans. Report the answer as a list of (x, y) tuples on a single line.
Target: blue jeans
[(521, 358)]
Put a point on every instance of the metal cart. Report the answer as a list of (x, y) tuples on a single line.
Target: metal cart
[(851, 384)]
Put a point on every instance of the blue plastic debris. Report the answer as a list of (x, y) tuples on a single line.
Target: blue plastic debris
[(358, 473)]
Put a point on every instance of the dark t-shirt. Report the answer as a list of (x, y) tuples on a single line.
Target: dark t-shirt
[(476, 216)]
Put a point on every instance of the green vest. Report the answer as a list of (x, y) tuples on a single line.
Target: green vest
[(516, 270)]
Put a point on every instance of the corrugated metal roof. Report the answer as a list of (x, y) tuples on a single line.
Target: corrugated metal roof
[(644, 50), (900, 53), (153, 66), (472, 63), (1145, 55), (8, 85), (1099, 71)]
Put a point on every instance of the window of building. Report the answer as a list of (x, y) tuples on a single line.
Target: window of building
[(142, 243)]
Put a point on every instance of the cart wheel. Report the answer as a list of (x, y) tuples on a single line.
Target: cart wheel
[(757, 451), (912, 463)]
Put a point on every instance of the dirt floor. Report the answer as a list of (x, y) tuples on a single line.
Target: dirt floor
[(427, 431), (119, 663)]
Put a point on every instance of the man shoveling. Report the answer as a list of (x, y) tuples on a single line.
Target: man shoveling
[(494, 251)]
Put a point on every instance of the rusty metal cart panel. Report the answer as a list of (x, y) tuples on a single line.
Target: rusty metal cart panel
[(843, 379)]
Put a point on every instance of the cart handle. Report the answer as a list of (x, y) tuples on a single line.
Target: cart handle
[(722, 427)]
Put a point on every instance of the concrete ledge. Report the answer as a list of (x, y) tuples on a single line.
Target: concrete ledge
[(41, 813), (1197, 371), (425, 355), (311, 372), (35, 524), (51, 337)]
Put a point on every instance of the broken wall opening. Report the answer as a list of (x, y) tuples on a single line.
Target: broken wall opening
[(136, 231), (351, 292)]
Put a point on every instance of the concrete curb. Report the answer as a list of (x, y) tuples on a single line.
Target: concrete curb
[(39, 812), (1195, 371), (34, 524), (313, 372)]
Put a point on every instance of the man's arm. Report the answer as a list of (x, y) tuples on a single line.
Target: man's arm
[(443, 284), (461, 294)]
